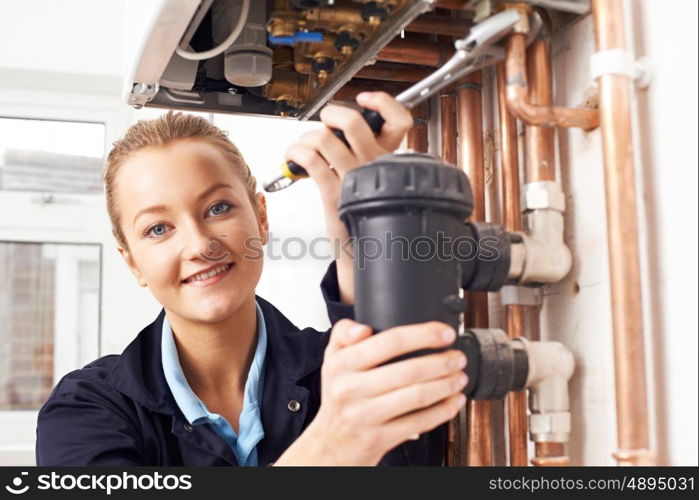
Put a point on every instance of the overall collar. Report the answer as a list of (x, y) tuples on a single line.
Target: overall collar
[(292, 354)]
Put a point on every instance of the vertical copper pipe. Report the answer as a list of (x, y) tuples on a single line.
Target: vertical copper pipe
[(447, 102), (447, 112), (470, 127), (540, 140), (622, 232), (418, 136), (516, 401), (418, 139), (550, 454)]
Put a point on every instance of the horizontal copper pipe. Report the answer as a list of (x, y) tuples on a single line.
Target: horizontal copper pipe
[(423, 52), (518, 94), (622, 233), (433, 24), (394, 72), (350, 90), (454, 4)]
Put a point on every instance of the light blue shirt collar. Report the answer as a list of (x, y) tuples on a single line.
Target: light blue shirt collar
[(195, 411)]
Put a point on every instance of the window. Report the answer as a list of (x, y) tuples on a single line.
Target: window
[(49, 323), (51, 155)]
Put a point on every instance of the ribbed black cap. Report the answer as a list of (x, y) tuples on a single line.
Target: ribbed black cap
[(408, 177)]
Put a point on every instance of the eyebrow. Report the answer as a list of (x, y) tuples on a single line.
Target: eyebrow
[(163, 208)]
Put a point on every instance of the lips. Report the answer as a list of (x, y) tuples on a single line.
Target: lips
[(206, 275)]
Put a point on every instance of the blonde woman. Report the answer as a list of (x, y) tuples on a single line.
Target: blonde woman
[(221, 377)]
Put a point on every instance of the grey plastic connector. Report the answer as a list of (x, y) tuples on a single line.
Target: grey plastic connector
[(541, 195), (551, 366), (547, 259)]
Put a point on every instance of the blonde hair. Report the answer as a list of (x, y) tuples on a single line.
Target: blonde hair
[(160, 133)]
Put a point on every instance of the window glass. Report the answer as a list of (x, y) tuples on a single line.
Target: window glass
[(50, 155), (49, 308)]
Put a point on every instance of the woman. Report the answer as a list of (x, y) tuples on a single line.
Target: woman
[(221, 377)]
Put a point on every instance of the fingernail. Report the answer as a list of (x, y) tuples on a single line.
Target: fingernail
[(460, 400), (458, 361), (363, 96), (449, 335), (462, 380), (414, 437), (355, 331)]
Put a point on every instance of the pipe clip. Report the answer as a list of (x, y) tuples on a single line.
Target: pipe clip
[(520, 295), (621, 62)]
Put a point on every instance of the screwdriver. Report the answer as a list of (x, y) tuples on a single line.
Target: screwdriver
[(474, 52)]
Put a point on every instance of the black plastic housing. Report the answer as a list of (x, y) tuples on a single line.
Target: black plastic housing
[(414, 252)]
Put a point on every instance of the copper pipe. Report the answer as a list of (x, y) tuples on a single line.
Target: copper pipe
[(470, 151), (447, 108), (622, 232), (480, 434), (447, 102), (393, 72), (440, 25), (355, 86), (447, 113), (418, 139), (540, 140), (550, 455), (454, 4), (416, 51), (512, 220), (518, 94)]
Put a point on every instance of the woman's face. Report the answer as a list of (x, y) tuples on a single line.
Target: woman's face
[(194, 237)]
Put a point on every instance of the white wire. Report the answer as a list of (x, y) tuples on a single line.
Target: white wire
[(208, 54)]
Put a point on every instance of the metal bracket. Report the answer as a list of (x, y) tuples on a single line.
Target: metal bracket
[(142, 94)]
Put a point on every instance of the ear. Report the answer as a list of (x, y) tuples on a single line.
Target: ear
[(128, 258), (262, 219)]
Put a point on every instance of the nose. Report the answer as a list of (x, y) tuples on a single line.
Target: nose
[(198, 243)]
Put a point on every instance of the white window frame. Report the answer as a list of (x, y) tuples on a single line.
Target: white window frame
[(72, 219)]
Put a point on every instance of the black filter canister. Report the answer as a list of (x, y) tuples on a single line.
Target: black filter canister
[(404, 212), (414, 252)]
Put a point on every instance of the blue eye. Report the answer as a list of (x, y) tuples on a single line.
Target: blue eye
[(156, 230), (220, 208)]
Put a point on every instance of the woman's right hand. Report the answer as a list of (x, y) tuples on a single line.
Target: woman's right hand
[(368, 407)]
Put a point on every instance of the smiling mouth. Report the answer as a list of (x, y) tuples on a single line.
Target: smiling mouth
[(209, 277)]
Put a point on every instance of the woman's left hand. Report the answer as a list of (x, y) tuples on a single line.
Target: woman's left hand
[(327, 160)]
